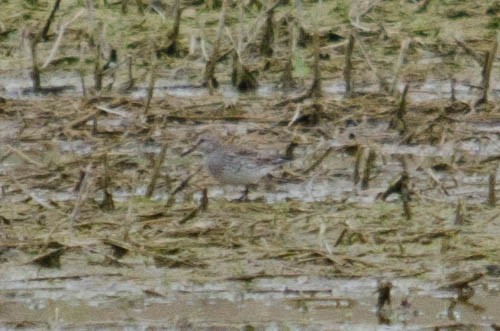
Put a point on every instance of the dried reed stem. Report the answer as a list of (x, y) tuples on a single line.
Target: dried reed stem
[(46, 28), (384, 86), (60, 34), (81, 70), (204, 200), (209, 74), (35, 70), (107, 203), (405, 45), (83, 194), (266, 48), (173, 34), (384, 294), (156, 171), (315, 90), (489, 58), (90, 21), (492, 179), (25, 157), (318, 161), (98, 68), (33, 196), (182, 185), (357, 164), (348, 67), (405, 189), (405, 194), (453, 82), (287, 80), (370, 160), (469, 51), (398, 121), (151, 85), (129, 85), (459, 212)]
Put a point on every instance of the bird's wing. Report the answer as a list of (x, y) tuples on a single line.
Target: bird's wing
[(234, 154)]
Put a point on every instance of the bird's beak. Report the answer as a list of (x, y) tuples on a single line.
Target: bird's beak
[(189, 151)]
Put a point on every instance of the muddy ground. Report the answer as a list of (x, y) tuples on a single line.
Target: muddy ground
[(104, 225)]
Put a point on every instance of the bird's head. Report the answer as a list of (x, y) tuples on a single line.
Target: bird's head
[(206, 144)]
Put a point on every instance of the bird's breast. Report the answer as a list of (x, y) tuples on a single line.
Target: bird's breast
[(232, 170)]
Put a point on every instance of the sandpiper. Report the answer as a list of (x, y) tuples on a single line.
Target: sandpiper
[(235, 166)]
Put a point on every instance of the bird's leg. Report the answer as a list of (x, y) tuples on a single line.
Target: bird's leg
[(244, 196)]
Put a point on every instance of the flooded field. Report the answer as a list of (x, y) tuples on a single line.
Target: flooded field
[(306, 252), (386, 216)]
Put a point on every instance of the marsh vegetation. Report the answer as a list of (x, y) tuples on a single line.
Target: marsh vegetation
[(387, 214)]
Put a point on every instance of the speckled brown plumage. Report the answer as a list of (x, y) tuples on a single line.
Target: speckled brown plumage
[(231, 165)]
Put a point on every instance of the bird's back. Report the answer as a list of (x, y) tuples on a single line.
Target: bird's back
[(231, 166)]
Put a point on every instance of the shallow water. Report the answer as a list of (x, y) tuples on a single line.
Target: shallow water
[(69, 84), (142, 297), (89, 293)]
